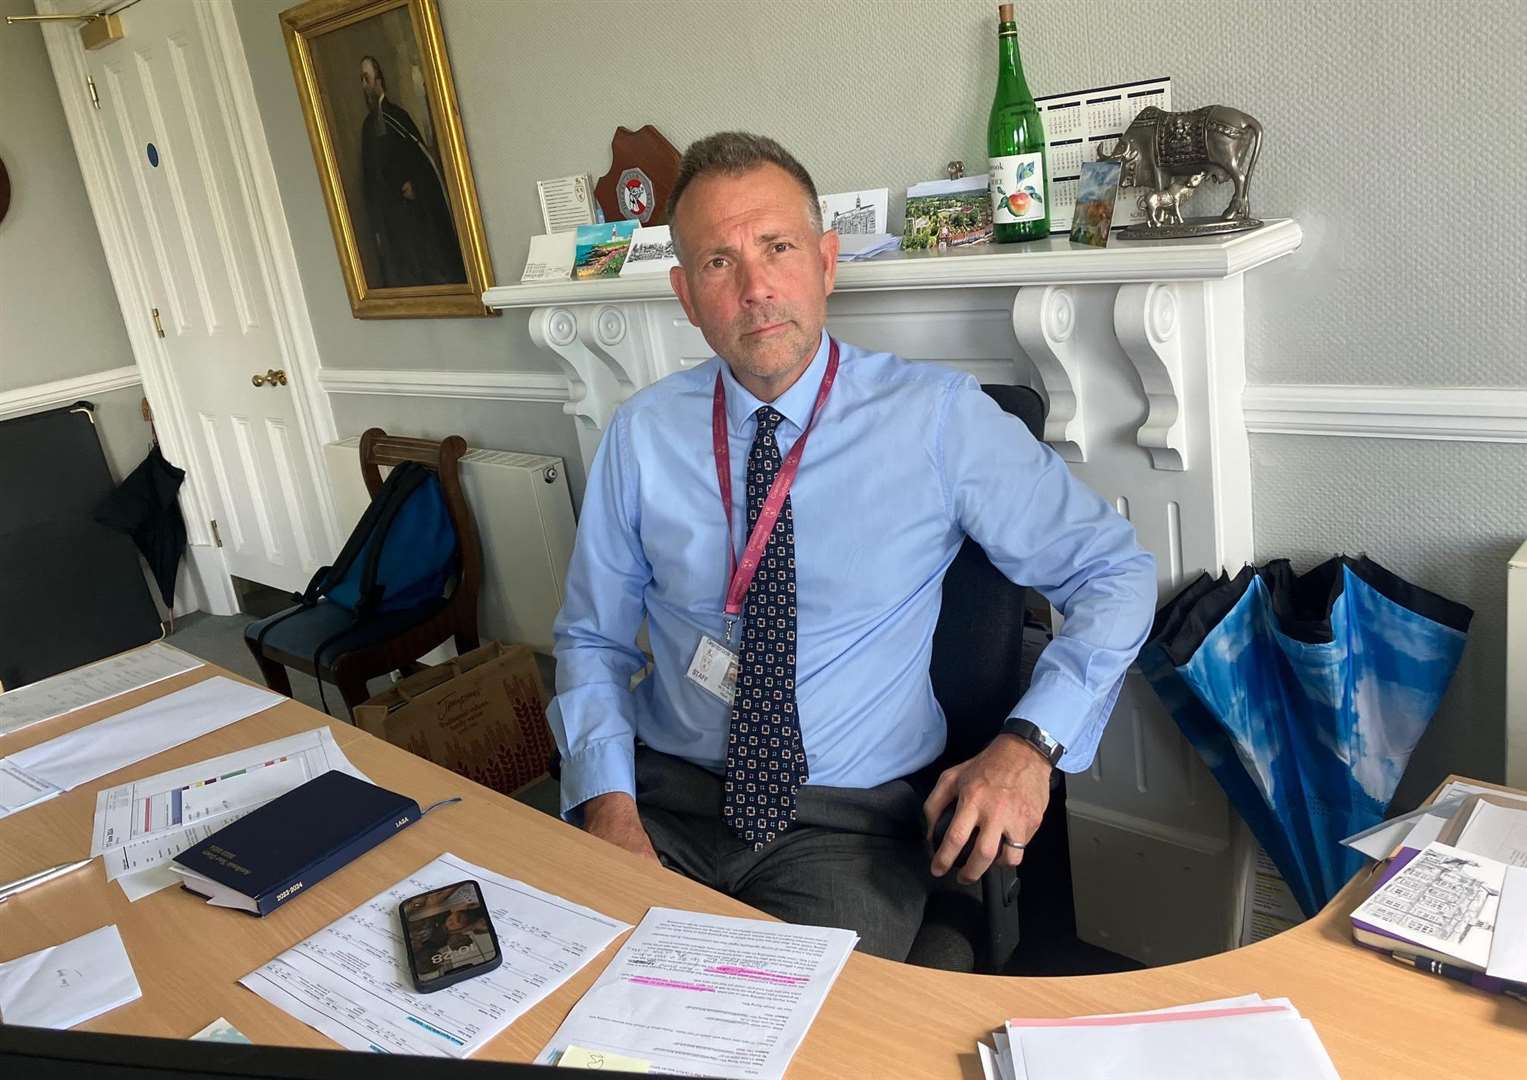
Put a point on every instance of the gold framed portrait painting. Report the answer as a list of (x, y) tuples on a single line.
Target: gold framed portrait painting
[(380, 106)]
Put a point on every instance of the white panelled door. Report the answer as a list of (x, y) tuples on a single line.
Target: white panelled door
[(171, 136)]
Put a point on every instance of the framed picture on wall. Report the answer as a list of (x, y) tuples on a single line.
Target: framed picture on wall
[(380, 105)]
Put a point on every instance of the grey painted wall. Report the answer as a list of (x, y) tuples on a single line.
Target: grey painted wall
[(58, 313), (1383, 140)]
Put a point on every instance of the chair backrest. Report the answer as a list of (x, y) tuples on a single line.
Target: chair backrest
[(978, 643), (379, 449)]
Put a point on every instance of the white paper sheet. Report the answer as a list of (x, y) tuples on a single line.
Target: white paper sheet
[(551, 257), (351, 981), (1443, 899), (117, 741), (143, 883), (1266, 1041), (851, 212), (1379, 841), (146, 823), (19, 789), (91, 684), (708, 994), (1011, 1068), (566, 203), (67, 984), (1497, 832), (1508, 949)]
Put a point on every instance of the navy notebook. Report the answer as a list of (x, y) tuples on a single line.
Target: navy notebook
[(287, 846)]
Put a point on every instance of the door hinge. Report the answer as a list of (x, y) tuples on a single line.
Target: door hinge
[(158, 326), (217, 537), (95, 98)]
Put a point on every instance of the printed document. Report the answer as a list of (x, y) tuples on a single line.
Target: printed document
[(1497, 832), (91, 684), (42, 771), (708, 995), (143, 825), (351, 980)]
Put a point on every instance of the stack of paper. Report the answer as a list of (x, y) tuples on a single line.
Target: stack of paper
[(1245, 1037), (856, 247), (68, 984), (40, 772), (139, 827), (707, 995), (91, 684)]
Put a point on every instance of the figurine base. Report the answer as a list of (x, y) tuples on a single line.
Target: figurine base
[(1191, 227)]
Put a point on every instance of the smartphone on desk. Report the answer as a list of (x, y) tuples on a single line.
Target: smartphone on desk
[(448, 936)]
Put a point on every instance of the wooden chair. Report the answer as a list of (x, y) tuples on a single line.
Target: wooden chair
[(390, 641)]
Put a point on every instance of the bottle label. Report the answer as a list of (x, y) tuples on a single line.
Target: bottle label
[(1018, 188)]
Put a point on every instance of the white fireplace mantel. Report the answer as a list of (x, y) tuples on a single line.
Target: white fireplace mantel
[(1139, 350)]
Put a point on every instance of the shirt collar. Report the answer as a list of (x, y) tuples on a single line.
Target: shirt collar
[(795, 404)]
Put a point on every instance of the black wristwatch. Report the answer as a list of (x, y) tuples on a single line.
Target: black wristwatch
[(1036, 736)]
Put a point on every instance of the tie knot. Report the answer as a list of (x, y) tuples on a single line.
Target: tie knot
[(768, 419)]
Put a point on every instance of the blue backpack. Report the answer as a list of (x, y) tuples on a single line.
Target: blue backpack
[(402, 553)]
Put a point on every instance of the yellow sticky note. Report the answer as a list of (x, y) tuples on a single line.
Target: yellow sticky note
[(576, 1057)]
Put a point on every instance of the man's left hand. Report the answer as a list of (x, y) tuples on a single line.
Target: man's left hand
[(1000, 794)]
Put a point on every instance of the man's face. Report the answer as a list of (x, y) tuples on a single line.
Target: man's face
[(371, 84), (756, 274)]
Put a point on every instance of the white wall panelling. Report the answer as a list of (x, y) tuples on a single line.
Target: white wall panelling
[(1140, 349), (1434, 413), (48, 395)]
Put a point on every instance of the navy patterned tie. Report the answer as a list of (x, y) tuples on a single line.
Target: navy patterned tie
[(765, 761)]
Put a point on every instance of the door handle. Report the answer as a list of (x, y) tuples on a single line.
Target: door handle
[(273, 377)]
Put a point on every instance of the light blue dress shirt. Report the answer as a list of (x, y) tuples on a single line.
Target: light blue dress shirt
[(906, 459)]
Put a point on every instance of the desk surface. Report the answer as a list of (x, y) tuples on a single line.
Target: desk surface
[(1376, 1018)]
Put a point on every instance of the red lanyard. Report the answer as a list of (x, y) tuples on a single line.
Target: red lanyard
[(740, 575)]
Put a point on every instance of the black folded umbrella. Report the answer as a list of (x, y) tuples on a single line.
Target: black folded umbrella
[(146, 506)]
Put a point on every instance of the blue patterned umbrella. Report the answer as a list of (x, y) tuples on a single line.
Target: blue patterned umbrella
[(1305, 695)]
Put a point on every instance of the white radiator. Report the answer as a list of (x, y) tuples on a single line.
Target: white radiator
[(524, 513)]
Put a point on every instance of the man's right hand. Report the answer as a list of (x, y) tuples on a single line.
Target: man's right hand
[(614, 819)]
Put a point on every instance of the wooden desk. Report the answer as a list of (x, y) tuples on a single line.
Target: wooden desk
[(882, 1019)]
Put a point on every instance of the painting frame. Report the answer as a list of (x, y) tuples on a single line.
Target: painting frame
[(411, 286)]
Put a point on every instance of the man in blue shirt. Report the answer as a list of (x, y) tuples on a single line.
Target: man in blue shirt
[(767, 751)]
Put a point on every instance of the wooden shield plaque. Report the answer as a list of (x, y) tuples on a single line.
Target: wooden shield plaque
[(643, 168)]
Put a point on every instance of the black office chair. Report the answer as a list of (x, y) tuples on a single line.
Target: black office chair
[(977, 674)]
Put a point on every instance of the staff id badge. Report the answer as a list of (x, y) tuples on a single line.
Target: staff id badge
[(714, 669)]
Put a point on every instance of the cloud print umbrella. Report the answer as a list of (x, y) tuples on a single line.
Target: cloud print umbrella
[(1305, 695)]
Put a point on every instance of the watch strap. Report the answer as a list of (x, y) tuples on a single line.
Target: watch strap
[(1048, 746)]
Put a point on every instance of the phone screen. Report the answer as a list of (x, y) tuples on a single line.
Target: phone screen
[(448, 935)]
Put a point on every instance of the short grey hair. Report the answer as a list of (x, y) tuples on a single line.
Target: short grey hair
[(732, 153)]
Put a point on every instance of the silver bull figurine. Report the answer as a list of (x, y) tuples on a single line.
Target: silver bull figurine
[(1162, 147)]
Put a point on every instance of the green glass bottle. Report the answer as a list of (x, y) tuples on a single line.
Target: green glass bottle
[(1015, 145)]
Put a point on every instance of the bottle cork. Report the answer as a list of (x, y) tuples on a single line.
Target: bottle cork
[(1004, 12)]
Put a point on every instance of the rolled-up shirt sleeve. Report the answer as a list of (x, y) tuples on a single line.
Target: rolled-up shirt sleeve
[(592, 716), (1045, 529)]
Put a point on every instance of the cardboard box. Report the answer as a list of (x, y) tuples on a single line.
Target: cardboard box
[(482, 715)]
